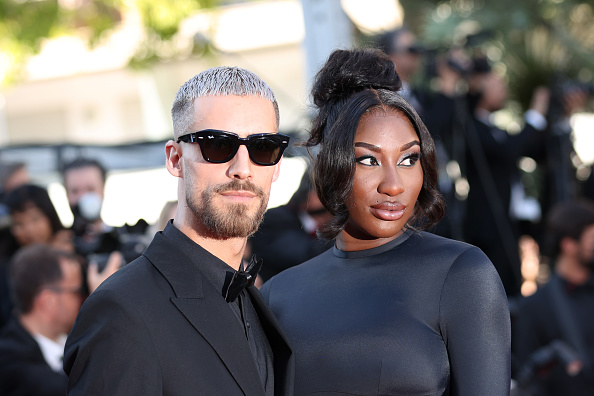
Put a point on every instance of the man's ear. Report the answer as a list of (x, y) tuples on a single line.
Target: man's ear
[(45, 300), (568, 246), (173, 160)]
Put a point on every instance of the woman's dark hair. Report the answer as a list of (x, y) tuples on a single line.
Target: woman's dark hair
[(21, 198), (351, 84)]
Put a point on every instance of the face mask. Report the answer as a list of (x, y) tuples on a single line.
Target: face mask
[(88, 208)]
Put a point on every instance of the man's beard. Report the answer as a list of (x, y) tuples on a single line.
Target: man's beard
[(233, 221)]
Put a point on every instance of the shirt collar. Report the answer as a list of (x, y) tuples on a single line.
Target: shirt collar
[(574, 287), (215, 270), (53, 351)]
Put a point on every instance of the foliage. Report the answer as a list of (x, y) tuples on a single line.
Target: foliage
[(538, 42), (25, 24)]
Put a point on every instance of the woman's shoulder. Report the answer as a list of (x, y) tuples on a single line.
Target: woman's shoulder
[(315, 264), (299, 275), (460, 263), (448, 249)]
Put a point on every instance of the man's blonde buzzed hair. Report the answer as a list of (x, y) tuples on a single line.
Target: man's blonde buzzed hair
[(217, 81)]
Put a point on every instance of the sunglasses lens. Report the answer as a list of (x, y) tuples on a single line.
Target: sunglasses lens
[(218, 148), (264, 150)]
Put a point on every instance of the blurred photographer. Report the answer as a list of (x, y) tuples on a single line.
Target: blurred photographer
[(84, 181), (562, 309), (496, 204), (436, 104), (562, 165)]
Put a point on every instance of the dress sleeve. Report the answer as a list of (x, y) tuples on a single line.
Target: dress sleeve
[(475, 324), (110, 351)]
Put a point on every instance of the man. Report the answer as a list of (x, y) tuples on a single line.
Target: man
[(178, 321), (84, 181), (562, 309), (47, 289), (496, 202)]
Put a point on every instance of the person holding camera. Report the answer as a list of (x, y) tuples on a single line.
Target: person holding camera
[(84, 181), (496, 202)]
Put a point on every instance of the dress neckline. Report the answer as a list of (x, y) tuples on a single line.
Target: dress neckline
[(373, 251)]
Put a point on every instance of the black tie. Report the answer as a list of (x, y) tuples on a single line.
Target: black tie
[(242, 279)]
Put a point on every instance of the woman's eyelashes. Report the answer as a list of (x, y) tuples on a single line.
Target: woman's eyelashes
[(407, 160), (367, 160), (410, 159)]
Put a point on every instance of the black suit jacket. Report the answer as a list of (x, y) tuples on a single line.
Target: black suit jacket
[(281, 242), (23, 369), (159, 327)]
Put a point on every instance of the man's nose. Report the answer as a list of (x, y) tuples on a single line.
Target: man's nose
[(241, 166)]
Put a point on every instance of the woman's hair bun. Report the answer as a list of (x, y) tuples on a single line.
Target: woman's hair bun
[(349, 71)]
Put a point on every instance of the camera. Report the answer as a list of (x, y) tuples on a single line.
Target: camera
[(98, 250)]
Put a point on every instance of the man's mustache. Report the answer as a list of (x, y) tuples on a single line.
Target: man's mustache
[(237, 185)]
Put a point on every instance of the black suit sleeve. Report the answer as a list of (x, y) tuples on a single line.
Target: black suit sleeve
[(476, 327), (110, 350), (20, 377)]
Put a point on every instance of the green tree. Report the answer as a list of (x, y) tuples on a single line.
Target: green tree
[(24, 24), (536, 40)]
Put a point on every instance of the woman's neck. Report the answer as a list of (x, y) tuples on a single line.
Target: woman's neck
[(348, 242)]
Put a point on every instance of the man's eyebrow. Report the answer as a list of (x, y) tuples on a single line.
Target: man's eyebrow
[(377, 149)]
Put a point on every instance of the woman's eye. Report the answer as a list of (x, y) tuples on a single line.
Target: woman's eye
[(367, 160), (410, 159)]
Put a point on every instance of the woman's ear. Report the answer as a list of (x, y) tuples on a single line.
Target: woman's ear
[(173, 156)]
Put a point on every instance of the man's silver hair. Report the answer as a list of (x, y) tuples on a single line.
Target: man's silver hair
[(217, 81)]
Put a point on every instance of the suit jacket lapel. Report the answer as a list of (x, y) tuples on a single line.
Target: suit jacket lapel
[(208, 312)]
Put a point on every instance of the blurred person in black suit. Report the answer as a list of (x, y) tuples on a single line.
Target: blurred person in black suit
[(287, 236), (48, 289), (496, 200), (562, 309)]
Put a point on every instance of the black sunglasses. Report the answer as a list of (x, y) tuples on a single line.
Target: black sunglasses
[(219, 146)]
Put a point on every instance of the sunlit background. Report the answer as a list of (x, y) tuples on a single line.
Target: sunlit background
[(97, 77)]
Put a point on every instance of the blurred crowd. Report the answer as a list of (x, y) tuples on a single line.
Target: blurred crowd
[(46, 270)]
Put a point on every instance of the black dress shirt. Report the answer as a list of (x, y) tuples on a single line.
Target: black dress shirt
[(220, 274)]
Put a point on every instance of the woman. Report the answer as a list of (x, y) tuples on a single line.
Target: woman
[(390, 310), (34, 218)]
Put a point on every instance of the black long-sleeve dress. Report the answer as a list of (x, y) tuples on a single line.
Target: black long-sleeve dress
[(420, 315)]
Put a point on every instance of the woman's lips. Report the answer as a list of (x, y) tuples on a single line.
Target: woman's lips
[(388, 211)]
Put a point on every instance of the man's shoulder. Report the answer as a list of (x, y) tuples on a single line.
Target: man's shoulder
[(16, 342)]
